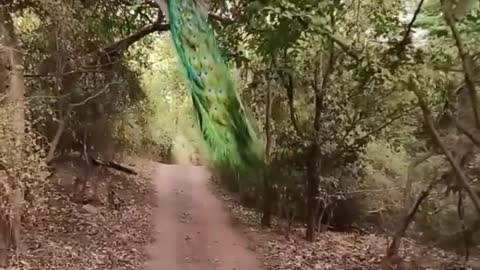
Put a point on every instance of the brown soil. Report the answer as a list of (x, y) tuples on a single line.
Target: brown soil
[(193, 230)]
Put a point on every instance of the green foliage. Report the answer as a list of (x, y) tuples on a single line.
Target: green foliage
[(168, 112), (386, 171), (432, 19), (342, 75), (61, 41), (369, 128)]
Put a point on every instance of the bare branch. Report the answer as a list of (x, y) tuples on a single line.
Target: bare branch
[(105, 89), (469, 81), (222, 20), (392, 249), (465, 131), (466, 237), (348, 49), (287, 81), (406, 36), (64, 121), (58, 135), (321, 90), (408, 184), (211, 16), (106, 56), (461, 178), (380, 190), (289, 86), (447, 68), (92, 69), (391, 120)]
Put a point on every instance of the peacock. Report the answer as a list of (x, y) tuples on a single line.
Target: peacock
[(229, 134)]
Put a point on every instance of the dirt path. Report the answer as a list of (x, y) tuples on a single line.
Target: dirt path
[(192, 229)]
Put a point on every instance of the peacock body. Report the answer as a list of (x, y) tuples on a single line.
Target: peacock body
[(228, 133)]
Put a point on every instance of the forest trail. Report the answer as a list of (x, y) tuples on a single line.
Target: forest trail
[(192, 229)]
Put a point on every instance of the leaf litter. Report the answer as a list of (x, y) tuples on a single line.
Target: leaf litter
[(65, 235), (336, 250)]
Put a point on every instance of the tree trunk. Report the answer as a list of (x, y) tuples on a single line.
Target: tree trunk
[(466, 61), (313, 166), (58, 135), (268, 198), (13, 86), (268, 192), (11, 62), (392, 249), (461, 177), (408, 199), (312, 191)]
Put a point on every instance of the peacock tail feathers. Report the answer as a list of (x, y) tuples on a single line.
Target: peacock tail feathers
[(227, 131)]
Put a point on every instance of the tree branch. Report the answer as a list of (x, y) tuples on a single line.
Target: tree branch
[(465, 131), (287, 81), (222, 20), (468, 74), (85, 101), (64, 121), (289, 86), (321, 91), (466, 237), (348, 49), (58, 135), (110, 53), (408, 183), (406, 36), (392, 249), (104, 57), (211, 16), (79, 71), (461, 178), (390, 121)]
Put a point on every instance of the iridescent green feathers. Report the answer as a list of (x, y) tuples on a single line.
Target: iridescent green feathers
[(225, 128)]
